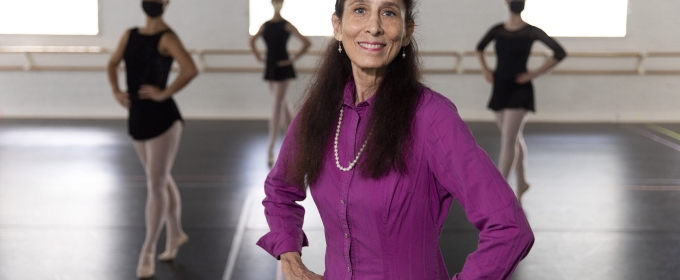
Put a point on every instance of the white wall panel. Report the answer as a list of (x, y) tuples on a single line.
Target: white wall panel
[(443, 25)]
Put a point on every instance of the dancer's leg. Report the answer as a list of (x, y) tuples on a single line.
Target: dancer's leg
[(511, 122), (175, 234), (286, 110), (278, 91), (158, 155), (287, 114), (521, 154), (146, 264)]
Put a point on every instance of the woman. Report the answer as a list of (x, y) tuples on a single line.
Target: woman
[(279, 68), (513, 92), (154, 122), (384, 157)]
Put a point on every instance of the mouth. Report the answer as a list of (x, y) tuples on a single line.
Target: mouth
[(372, 46)]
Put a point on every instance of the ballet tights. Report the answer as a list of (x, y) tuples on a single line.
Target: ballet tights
[(281, 114), (163, 204), (513, 148)]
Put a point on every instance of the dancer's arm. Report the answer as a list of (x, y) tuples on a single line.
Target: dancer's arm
[(305, 42), (112, 71), (463, 169), (172, 46), (558, 55), (253, 45), (488, 74)]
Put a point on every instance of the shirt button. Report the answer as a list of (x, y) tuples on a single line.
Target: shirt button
[(342, 201), (346, 235), (349, 269)]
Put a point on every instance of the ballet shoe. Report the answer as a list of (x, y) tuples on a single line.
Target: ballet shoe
[(146, 268), (172, 248), (521, 189)]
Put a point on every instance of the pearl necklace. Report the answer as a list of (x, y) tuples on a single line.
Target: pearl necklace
[(337, 158)]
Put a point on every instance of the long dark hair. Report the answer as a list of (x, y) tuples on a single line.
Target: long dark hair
[(391, 119)]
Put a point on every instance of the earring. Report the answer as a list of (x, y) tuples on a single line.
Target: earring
[(403, 53), (340, 47)]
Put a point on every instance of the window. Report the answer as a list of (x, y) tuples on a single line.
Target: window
[(49, 17), (578, 18), (311, 17)]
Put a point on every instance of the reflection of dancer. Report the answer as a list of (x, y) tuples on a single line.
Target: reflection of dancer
[(384, 157), (279, 69), (513, 92), (154, 123)]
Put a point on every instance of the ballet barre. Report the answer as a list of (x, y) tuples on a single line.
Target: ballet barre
[(456, 67)]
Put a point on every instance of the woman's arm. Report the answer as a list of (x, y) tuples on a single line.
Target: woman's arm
[(463, 169), (284, 215), (253, 45), (488, 74), (112, 71), (305, 42), (558, 55), (172, 46), (490, 35)]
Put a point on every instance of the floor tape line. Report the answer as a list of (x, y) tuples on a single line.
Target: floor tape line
[(238, 237)]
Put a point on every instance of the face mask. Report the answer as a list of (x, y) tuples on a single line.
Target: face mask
[(517, 7), (152, 9), (278, 6)]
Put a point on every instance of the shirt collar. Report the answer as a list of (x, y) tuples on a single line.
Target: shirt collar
[(348, 98)]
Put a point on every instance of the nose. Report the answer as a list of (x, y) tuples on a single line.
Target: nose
[(374, 26)]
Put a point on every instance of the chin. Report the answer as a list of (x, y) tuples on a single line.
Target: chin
[(371, 64)]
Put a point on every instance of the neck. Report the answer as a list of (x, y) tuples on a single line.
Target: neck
[(277, 16), (367, 82), (515, 18), (155, 24)]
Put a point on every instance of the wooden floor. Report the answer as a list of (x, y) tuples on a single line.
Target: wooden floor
[(604, 202)]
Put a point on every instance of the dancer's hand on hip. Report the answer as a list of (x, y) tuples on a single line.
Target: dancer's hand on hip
[(488, 75), (123, 98), (525, 77), (153, 93), (294, 269)]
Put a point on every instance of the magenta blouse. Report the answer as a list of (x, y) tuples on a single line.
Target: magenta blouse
[(389, 228)]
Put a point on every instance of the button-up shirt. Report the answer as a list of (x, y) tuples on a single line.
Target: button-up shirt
[(389, 228)]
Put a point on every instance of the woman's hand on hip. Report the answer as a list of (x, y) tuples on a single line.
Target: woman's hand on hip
[(488, 75), (123, 98), (153, 93), (294, 269), (525, 77)]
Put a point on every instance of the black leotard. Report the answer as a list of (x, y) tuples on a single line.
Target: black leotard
[(276, 37), (146, 66), (512, 50)]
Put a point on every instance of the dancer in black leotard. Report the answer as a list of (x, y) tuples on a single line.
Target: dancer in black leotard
[(154, 123), (279, 68), (513, 92)]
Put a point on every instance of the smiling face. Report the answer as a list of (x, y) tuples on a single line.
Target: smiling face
[(372, 32)]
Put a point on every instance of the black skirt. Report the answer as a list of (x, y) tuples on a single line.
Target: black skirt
[(275, 73), (149, 119), (511, 95)]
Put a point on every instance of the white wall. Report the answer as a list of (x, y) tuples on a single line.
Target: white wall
[(443, 25)]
